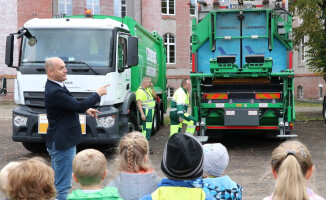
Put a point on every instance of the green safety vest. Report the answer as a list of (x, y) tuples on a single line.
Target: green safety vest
[(146, 97), (180, 102), (107, 193)]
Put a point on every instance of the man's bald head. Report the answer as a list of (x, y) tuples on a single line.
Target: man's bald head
[(51, 62), (55, 69)]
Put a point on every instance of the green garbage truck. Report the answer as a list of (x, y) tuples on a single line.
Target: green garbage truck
[(242, 76), (97, 50)]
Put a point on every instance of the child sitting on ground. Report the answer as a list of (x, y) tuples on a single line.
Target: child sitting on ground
[(182, 163), (136, 177), (216, 186), (4, 177), (31, 180), (89, 170), (292, 167)]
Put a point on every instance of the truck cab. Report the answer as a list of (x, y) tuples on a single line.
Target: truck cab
[(97, 50)]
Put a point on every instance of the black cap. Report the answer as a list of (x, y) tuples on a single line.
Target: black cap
[(182, 158)]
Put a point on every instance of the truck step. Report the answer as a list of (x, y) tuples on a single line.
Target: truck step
[(287, 136), (202, 139)]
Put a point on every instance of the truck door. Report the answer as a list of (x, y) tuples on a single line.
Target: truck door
[(124, 75)]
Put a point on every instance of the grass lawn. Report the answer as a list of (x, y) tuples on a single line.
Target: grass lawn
[(307, 104)]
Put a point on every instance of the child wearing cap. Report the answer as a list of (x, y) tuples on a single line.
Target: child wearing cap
[(89, 170), (216, 186), (182, 163)]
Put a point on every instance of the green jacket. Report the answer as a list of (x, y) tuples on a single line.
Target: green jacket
[(107, 193)]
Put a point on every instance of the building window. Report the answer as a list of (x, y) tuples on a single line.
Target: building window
[(167, 7), (94, 6), (190, 49), (192, 7), (120, 8), (123, 8), (170, 92), (320, 93), (302, 50), (300, 92), (65, 7), (169, 43)]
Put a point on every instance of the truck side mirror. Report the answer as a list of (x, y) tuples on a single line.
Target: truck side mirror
[(9, 50), (3, 89), (132, 52)]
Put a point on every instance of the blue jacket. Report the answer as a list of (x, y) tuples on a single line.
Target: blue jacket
[(173, 183), (222, 188), (62, 112)]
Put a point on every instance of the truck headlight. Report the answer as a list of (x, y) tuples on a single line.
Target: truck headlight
[(20, 120), (106, 122)]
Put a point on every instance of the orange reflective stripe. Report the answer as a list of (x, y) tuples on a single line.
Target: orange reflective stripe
[(216, 96), (268, 96)]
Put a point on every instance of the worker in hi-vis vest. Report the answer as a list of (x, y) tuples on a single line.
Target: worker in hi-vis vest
[(178, 111), (145, 95)]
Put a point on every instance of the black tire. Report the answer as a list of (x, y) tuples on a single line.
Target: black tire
[(156, 123), (161, 115), (35, 147), (324, 113), (132, 122)]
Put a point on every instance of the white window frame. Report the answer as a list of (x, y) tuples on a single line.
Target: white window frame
[(168, 7), (300, 91), (90, 4), (302, 51), (167, 45), (194, 8), (118, 4), (65, 4)]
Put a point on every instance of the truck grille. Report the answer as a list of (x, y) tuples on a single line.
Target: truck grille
[(36, 99)]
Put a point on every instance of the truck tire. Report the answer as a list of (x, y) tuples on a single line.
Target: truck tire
[(161, 114), (156, 121), (35, 147), (132, 122), (324, 113)]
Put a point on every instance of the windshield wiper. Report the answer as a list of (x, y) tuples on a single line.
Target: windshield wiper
[(38, 61), (80, 62)]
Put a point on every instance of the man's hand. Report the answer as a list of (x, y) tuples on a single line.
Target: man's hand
[(143, 117), (102, 90), (92, 112), (180, 120)]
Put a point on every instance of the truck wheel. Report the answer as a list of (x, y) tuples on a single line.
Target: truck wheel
[(34, 147), (161, 114), (324, 114), (156, 122), (132, 122)]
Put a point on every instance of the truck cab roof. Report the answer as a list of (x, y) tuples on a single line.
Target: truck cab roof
[(78, 23)]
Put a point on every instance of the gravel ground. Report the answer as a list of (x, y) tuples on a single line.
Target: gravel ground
[(249, 154)]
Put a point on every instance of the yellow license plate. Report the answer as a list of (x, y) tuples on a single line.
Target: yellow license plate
[(43, 123)]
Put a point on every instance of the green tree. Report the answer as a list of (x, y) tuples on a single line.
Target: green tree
[(313, 14)]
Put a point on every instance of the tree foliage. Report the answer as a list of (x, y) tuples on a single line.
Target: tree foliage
[(313, 15)]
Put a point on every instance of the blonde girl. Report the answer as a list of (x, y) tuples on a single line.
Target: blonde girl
[(291, 167), (137, 177)]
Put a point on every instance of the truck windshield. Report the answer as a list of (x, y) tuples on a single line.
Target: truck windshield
[(93, 47)]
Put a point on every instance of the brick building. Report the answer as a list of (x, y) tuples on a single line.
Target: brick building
[(170, 18), (307, 85)]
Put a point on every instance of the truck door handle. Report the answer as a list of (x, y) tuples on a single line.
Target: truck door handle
[(127, 87)]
